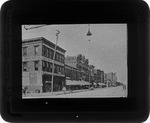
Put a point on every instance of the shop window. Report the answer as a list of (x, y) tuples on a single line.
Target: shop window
[(24, 66), (36, 48), (24, 51), (36, 65)]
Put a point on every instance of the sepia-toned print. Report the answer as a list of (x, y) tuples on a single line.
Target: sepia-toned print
[(74, 61)]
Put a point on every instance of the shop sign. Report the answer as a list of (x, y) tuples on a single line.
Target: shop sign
[(31, 58)]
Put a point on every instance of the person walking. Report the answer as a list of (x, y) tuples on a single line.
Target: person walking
[(64, 89)]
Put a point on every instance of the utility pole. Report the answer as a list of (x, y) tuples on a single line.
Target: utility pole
[(54, 61)]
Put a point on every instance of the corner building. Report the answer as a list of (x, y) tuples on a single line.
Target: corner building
[(37, 63)]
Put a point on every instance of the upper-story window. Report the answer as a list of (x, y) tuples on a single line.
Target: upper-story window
[(24, 66), (51, 54), (44, 50), (47, 50), (36, 49), (51, 67), (58, 69), (48, 53), (24, 51), (63, 59), (57, 57), (36, 65), (43, 65)]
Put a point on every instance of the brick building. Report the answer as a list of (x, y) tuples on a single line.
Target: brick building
[(80, 64), (37, 59), (77, 69)]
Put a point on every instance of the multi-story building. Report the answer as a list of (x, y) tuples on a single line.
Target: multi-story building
[(111, 78), (102, 76), (71, 71), (37, 65), (80, 64)]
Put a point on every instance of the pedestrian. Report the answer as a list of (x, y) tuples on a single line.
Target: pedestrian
[(25, 90), (64, 89)]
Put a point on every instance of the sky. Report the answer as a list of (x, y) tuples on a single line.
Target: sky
[(106, 50)]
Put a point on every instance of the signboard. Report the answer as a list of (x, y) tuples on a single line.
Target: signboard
[(31, 58), (33, 77)]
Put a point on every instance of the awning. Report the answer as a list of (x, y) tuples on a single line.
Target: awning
[(73, 82), (101, 83), (85, 83)]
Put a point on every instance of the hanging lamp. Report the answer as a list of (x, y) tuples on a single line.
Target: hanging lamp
[(89, 32)]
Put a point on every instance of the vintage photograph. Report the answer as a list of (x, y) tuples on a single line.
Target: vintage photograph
[(74, 61)]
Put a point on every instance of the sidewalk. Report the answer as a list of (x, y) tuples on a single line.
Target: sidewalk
[(53, 94), (94, 92)]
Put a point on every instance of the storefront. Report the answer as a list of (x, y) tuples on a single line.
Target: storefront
[(58, 84), (77, 85)]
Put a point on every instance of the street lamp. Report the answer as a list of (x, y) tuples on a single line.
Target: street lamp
[(89, 34), (54, 59)]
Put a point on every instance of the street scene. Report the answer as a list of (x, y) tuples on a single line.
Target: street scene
[(74, 61)]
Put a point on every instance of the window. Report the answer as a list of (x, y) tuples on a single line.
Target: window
[(62, 59), (47, 66), (62, 70), (57, 69), (43, 49), (43, 65), (24, 66), (56, 56), (59, 58), (51, 66), (36, 48), (48, 53), (45, 52), (24, 51), (51, 54), (36, 65)]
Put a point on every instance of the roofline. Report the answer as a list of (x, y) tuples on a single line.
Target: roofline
[(40, 39)]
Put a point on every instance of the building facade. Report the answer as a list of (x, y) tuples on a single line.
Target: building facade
[(37, 65), (79, 64), (111, 78)]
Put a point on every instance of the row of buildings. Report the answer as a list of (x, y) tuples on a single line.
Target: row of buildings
[(37, 65)]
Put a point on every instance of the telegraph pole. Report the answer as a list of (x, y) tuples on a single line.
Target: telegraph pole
[(54, 60)]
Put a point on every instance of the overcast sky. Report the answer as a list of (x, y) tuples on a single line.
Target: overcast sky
[(107, 49)]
